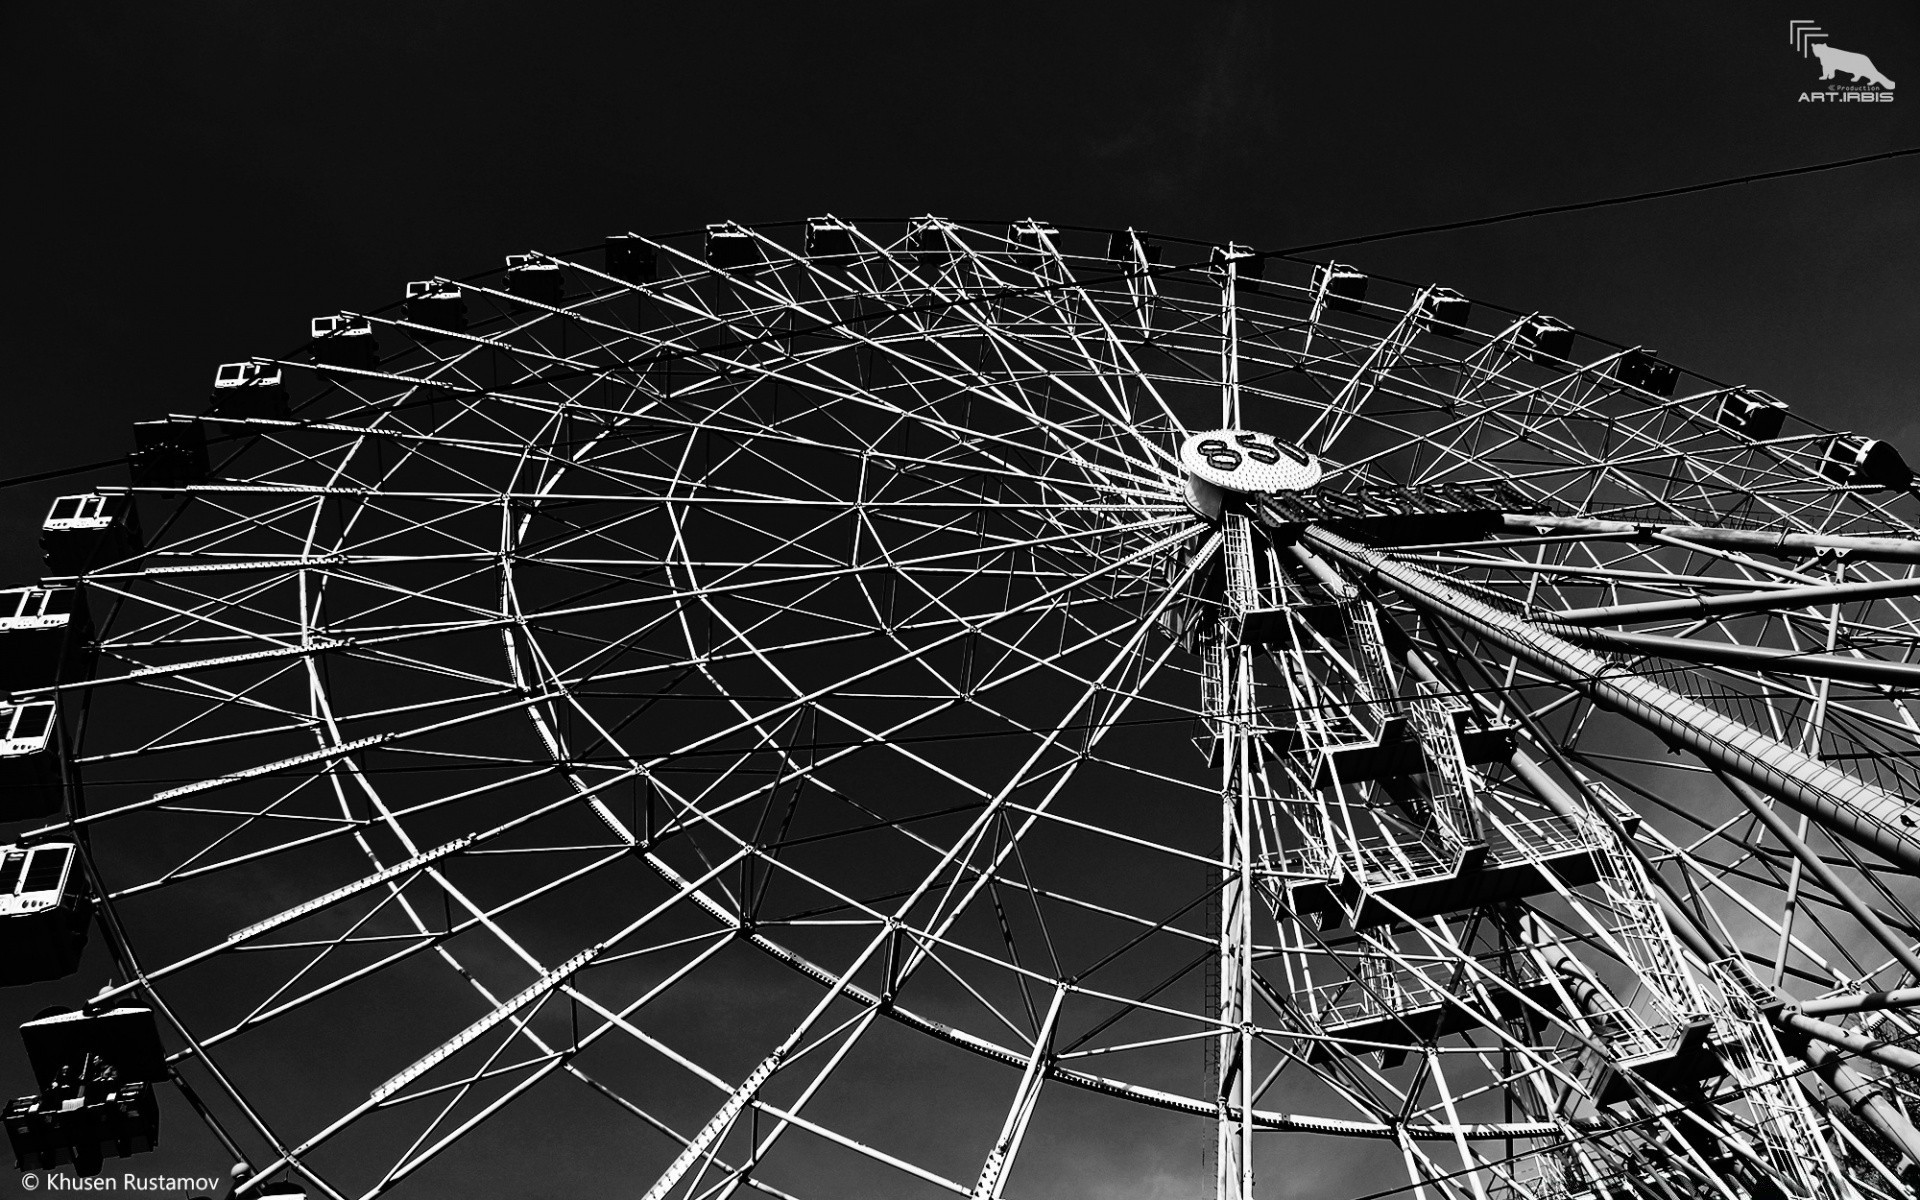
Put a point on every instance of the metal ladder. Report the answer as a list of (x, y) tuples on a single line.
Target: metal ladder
[(1641, 929), (1456, 807), (1789, 1136)]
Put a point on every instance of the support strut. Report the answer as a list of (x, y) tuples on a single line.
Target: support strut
[(1843, 895), (1858, 1094), (1869, 671), (1810, 1040), (1695, 608), (1754, 541), (1841, 802)]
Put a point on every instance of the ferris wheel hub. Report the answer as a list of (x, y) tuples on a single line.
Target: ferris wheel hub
[(1242, 461)]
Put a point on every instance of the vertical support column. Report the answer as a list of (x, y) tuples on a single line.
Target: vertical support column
[(1228, 706), (1233, 1158), (1229, 345)]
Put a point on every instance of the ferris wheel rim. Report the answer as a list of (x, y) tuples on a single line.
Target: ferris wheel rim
[(1008, 1054)]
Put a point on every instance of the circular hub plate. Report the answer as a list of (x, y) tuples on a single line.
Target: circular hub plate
[(1241, 460)]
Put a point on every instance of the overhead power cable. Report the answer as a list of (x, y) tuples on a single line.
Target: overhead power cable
[(1584, 205)]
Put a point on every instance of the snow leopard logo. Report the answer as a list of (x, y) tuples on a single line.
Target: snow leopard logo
[(1859, 66), (1862, 80)]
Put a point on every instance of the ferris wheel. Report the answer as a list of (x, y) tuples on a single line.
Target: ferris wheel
[(903, 708)]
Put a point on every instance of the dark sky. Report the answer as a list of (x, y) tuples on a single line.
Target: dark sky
[(191, 183)]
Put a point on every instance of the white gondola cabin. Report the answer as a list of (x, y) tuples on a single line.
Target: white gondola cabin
[(1248, 267), (531, 277), (731, 248), (246, 389), (436, 304), (1444, 311), (1752, 412), (45, 907), (1643, 369), (31, 778), (345, 340), (1547, 340), (828, 238), (1853, 460), (1341, 287), (84, 531), (46, 637)]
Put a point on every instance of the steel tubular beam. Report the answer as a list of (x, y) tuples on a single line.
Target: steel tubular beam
[(1887, 1055), (1758, 658), (1733, 603), (1757, 541), (1841, 802), (1850, 1090), (993, 1172), (1321, 572), (1860, 1095), (1862, 1002), (1830, 879)]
